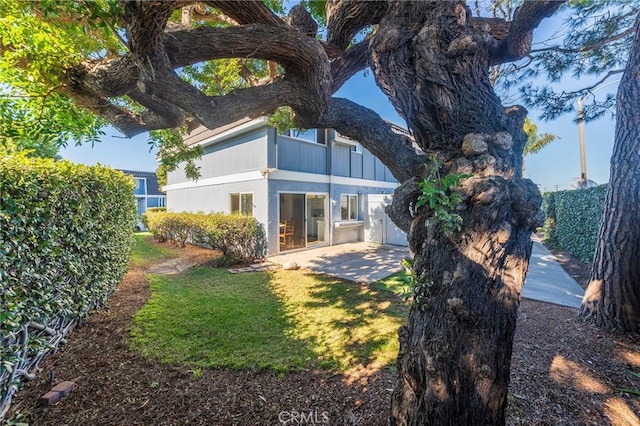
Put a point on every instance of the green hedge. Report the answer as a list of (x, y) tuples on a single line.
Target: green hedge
[(65, 237), (240, 238), (573, 219)]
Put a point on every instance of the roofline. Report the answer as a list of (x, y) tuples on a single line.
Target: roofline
[(241, 128), (261, 121)]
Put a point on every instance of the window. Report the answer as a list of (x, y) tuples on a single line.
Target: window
[(140, 184), (348, 207), (242, 203), (306, 134)]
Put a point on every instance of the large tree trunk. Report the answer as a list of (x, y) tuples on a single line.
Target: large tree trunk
[(612, 299), (455, 352)]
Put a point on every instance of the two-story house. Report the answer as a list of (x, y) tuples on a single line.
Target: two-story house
[(308, 189), (147, 190)]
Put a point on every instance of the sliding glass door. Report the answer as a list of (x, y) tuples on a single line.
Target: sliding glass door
[(302, 221)]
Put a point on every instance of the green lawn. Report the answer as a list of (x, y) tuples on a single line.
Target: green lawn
[(396, 283), (282, 321), (146, 253)]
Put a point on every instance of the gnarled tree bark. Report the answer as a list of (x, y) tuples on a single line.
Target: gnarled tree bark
[(454, 361)]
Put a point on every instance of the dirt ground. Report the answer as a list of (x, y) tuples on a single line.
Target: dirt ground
[(564, 372)]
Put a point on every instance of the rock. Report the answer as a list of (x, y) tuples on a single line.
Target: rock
[(503, 140), (290, 266), (474, 144), (60, 390)]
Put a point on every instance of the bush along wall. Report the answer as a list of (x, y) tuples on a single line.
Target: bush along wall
[(240, 238), (573, 219), (66, 233)]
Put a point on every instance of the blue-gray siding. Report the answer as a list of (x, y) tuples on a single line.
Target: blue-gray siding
[(301, 156), (245, 152)]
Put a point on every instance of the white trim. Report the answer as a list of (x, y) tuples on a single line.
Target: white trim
[(348, 223), (218, 180), (295, 139), (251, 125), (349, 195), (280, 175), (340, 180)]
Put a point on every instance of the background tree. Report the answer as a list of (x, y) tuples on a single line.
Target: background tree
[(535, 141), (143, 68), (594, 44), (41, 126), (612, 299)]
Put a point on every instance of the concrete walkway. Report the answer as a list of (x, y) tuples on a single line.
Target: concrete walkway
[(367, 262), (548, 282)]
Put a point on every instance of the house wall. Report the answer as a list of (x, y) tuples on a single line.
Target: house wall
[(368, 165), (265, 164), (360, 165), (301, 155), (240, 153), (341, 160), (215, 198), (348, 234)]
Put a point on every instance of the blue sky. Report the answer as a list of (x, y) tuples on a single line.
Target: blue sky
[(555, 167)]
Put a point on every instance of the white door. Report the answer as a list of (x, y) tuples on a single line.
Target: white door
[(375, 226), (379, 228)]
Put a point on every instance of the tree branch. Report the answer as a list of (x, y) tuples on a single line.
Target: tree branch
[(304, 59), (171, 113), (602, 80), (517, 43), (125, 121), (353, 60), (498, 27), (247, 12), (284, 45), (588, 47), (346, 17), (295, 51), (216, 111), (301, 19), (305, 86), (357, 122)]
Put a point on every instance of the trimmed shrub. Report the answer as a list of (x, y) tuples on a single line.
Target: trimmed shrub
[(573, 219), (240, 238), (65, 239)]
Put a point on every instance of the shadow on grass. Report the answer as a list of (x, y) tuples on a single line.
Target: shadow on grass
[(211, 318), (281, 321), (350, 327)]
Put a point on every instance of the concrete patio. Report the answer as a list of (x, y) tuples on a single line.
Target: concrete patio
[(368, 262)]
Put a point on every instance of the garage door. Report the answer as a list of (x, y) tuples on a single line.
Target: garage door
[(379, 228)]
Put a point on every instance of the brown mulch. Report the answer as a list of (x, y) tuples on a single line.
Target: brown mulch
[(564, 372)]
